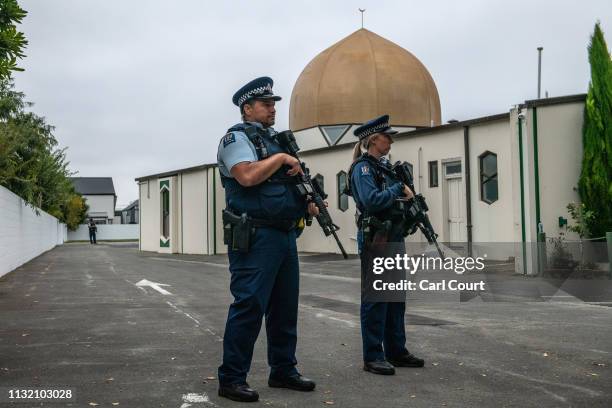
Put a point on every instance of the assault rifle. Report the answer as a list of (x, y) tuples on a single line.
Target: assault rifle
[(309, 187), (416, 208)]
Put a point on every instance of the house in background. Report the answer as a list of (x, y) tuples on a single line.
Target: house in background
[(129, 215), (100, 195)]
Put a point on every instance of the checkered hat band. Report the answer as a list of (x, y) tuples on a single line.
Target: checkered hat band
[(254, 92), (374, 129)]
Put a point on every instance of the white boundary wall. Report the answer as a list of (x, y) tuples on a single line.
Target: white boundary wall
[(23, 234), (106, 232)]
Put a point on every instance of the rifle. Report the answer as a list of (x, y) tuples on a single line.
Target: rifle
[(310, 188), (416, 208)]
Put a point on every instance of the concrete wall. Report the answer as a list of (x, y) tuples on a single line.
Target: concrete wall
[(23, 234), (101, 204), (106, 232)]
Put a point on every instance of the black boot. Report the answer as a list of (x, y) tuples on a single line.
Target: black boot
[(379, 367), (293, 382), (238, 392), (407, 360)]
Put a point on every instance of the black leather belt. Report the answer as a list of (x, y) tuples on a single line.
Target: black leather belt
[(282, 225)]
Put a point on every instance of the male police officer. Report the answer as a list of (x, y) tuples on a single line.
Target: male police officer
[(263, 210)]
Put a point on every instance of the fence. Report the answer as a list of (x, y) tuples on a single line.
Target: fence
[(23, 234), (107, 232)]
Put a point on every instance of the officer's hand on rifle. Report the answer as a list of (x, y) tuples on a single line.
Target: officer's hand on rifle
[(294, 163), (408, 192), (313, 210)]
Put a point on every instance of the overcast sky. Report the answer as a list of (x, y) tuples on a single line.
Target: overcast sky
[(140, 87)]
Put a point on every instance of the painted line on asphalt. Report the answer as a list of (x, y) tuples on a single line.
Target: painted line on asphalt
[(336, 319), (197, 322), (185, 313), (330, 277), (224, 266), (193, 398), (558, 397)]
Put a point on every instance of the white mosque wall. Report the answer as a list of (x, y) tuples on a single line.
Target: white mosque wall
[(329, 163), (492, 222), (193, 221), (444, 146), (560, 162), (149, 215), (196, 211), (219, 205)]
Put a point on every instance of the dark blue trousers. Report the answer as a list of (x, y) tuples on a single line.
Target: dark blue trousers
[(382, 323), (264, 282)]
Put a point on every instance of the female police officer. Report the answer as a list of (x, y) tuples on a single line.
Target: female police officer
[(375, 190)]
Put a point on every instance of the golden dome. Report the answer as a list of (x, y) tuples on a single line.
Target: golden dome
[(359, 78)]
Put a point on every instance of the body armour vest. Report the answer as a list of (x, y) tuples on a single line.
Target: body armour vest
[(275, 198), (383, 177)]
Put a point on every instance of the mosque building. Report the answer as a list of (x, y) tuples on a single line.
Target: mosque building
[(497, 179)]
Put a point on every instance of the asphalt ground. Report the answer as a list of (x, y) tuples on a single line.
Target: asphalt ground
[(74, 318)]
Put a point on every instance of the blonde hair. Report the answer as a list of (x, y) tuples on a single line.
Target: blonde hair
[(362, 146)]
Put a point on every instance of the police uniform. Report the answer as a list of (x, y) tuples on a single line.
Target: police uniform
[(265, 277), (375, 189)]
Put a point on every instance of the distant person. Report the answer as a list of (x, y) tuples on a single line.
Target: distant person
[(92, 231)]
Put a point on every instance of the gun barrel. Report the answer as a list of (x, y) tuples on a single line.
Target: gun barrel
[(316, 193), (344, 255)]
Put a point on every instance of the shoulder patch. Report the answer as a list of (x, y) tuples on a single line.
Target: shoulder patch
[(365, 170), (228, 139)]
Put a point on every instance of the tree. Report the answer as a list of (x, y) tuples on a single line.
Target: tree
[(75, 211), (12, 42), (595, 183), (31, 164)]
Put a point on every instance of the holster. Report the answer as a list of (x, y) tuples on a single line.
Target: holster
[(375, 231), (237, 231)]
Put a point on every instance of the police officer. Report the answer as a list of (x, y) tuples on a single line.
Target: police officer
[(91, 226), (375, 189), (263, 211)]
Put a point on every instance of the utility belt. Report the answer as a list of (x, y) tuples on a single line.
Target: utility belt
[(239, 230), (375, 231), (396, 221)]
